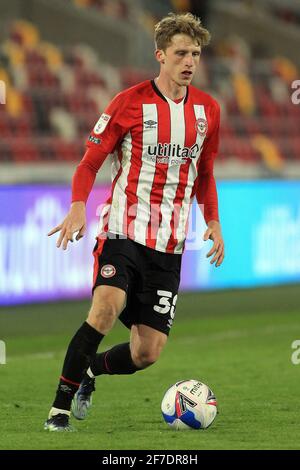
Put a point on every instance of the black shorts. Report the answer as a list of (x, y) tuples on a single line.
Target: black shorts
[(150, 279)]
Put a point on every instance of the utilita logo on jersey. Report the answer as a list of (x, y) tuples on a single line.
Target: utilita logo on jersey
[(173, 153)]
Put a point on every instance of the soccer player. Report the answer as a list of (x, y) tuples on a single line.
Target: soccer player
[(164, 137)]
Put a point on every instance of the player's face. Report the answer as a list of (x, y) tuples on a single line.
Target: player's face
[(180, 59)]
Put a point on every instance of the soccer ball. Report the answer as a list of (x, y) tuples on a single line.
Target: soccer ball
[(189, 404)]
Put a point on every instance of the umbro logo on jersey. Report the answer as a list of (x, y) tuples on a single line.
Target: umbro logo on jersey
[(150, 124)]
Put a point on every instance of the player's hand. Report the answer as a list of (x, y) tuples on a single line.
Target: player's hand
[(214, 233), (75, 221)]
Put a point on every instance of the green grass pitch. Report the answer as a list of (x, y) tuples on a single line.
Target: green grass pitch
[(238, 342)]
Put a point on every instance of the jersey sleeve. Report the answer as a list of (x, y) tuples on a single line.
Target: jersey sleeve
[(111, 127), (85, 174), (206, 191), (104, 138)]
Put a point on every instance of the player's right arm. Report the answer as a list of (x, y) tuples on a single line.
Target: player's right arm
[(104, 138), (82, 184)]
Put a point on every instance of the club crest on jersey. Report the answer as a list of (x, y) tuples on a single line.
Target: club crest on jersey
[(201, 126), (102, 123), (108, 270)]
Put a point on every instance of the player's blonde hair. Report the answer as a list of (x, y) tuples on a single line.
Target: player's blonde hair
[(184, 23)]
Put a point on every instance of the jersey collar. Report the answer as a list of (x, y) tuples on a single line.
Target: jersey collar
[(158, 92)]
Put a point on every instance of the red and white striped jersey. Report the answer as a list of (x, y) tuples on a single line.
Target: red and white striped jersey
[(159, 148)]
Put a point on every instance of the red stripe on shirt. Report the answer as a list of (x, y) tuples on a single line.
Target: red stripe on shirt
[(190, 139), (132, 180), (160, 175)]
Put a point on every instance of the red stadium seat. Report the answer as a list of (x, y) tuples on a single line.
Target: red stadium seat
[(76, 89)]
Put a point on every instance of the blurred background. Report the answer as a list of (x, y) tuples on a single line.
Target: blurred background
[(61, 62)]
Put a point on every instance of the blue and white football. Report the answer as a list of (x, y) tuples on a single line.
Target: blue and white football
[(189, 404)]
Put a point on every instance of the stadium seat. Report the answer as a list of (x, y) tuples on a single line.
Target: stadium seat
[(52, 87)]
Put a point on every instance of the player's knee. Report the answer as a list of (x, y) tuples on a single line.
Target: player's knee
[(102, 316), (143, 358)]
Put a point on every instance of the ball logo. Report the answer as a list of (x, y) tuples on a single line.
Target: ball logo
[(108, 270), (201, 126), (181, 402)]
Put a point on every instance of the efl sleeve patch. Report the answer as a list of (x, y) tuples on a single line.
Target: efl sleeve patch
[(102, 123)]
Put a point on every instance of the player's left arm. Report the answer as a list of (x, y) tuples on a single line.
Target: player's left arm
[(206, 191)]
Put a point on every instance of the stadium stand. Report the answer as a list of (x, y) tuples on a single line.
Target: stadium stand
[(55, 94), (288, 11), (116, 9), (53, 97)]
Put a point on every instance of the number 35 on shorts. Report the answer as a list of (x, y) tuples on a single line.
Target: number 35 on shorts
[(166, 304)]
